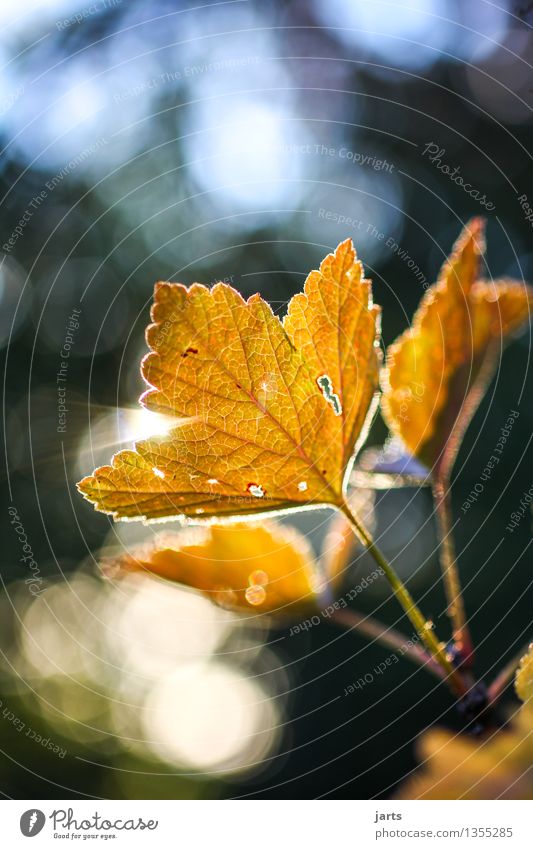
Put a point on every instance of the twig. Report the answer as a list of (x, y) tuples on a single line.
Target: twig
[(378, 632), (450, 573), (504, 677)]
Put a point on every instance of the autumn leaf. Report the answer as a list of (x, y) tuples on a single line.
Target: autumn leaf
[(436, 372), (271, 413), (524, 677), (269, 567)]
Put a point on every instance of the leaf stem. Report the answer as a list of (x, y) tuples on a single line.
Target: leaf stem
[(389, 637), (503, 678), (450, 573), (421, 625)]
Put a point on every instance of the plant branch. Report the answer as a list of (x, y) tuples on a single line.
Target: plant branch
[(421, 625), (389, 637), (450, 572), (504, 677)]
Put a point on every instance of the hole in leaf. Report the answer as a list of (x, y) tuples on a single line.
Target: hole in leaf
[(326, 387)]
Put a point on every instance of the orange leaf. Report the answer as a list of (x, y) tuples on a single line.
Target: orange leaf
[(272, 412), (437, 371), (269, 568)]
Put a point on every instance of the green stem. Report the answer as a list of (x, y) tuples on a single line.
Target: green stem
[(450, 572), (423, 628), (389, 637)]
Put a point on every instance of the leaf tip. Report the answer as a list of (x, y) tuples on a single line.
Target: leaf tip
[(345, 246), (85, 484), (472, 233), (89, 487)]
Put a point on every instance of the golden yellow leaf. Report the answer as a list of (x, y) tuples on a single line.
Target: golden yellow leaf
[(458, 767), (271, 412), (437, 370), (524, 676), (268, 568)]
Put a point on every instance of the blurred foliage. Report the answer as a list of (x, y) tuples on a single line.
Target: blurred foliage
[(497, 767), (459, 768), (246, 567)]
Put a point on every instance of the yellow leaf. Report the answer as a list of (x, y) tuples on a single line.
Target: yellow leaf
[(334, 323), (524, 676), (436, 371), (457, 767), (268, 568), (272, 412)]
